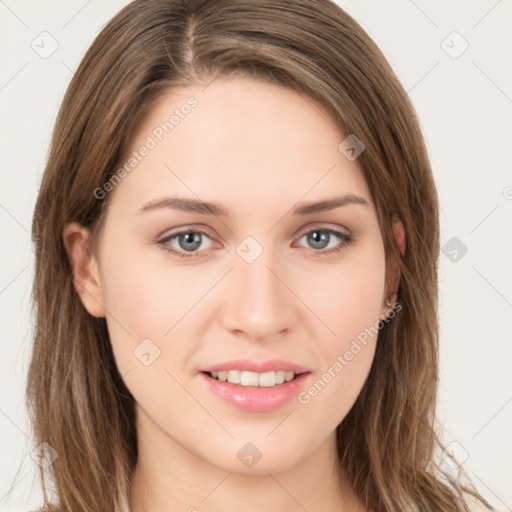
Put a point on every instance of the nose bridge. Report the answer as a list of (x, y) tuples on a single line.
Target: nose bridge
[(258, 302)]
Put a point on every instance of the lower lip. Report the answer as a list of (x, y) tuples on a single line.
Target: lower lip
[(255, 398)]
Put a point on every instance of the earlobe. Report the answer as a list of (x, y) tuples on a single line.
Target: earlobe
[(84, 267)]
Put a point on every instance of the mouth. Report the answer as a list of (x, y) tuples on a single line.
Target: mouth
[(253, 391), (254, 379)]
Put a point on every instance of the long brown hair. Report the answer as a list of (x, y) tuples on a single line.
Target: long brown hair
[(388, 443)]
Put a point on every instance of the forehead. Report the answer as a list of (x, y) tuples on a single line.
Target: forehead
[(241, 138)]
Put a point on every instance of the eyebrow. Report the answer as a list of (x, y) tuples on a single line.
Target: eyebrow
[(209, 208)]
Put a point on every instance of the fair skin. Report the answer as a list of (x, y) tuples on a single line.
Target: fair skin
[(259, 150)]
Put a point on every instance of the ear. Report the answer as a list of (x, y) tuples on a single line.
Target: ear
[(399, 232), (86, 277), (393, 268)]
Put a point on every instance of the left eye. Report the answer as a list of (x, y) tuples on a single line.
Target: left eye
[(322, 238), (189, 241)]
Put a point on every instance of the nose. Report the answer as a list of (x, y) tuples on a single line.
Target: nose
[(259, 302)]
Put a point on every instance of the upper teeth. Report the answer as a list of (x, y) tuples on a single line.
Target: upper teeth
[(245, 378)]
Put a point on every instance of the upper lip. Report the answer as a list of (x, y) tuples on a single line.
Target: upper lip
[(257, 366)]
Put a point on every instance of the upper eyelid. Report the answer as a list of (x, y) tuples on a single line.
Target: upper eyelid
[(180, 231), (189, 229)]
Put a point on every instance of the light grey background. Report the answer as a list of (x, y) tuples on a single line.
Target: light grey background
[(465, 106)]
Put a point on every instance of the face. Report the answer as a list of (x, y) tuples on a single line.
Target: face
[(263, 281)]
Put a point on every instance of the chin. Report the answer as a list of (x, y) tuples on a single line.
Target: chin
[(259, 456)]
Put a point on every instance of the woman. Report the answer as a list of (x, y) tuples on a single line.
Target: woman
[(236, 271)]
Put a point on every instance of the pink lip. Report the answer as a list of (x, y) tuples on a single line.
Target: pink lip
[(255, 398), (255, 366)]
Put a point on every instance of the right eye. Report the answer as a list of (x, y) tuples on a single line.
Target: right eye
[(188, 241)]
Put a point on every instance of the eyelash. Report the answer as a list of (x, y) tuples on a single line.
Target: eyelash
[(345, 240)]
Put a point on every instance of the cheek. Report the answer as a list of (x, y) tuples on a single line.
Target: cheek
[(139, 304), (152, 304), (349, 305), (349, 298), (147, 294)]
